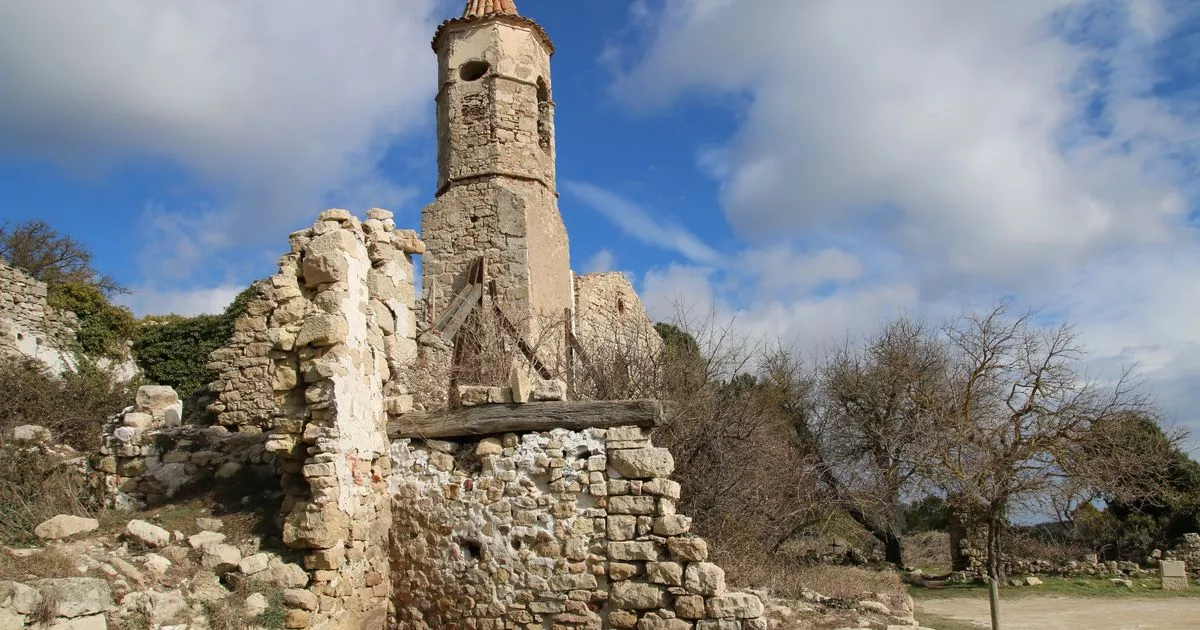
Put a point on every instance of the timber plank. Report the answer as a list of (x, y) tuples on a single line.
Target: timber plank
[(529, 417)]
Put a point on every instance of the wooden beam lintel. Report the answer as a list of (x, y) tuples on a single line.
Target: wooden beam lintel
[(487, 420)]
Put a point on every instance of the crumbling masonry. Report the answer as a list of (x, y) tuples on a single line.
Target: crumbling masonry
[(515, 507)]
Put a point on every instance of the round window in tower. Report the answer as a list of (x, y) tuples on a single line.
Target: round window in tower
[(474, 70)]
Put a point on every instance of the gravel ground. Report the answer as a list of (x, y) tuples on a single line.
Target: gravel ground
[(1071, 613)]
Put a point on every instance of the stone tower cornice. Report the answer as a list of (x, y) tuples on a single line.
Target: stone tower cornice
[(503, 11)]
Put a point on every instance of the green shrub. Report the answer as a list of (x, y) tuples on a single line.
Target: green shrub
[(104, 328), (173, 350)]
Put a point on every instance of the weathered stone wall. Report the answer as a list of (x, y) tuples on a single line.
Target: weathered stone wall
[(562, 529), (29, 326), (149, 458), (496, 183), (499, 119), (609, 314), (337, 330)]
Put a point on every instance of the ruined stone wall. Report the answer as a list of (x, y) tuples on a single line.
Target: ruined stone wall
[(149, 458), (29, 326), (565, 529), (610, 315), (516, 226)]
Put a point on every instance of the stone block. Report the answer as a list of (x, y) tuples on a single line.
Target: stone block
[(642, 463), (632, 505), (75, 597), (705, 578), (735, 606), (65, 526), (688, 549), (637, 596), (152, 398), (634, 550), (666, 573)]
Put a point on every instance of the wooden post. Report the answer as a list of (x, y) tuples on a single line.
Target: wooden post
[(539, 416)]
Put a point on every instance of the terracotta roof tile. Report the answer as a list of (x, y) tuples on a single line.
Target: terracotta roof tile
[(481, 8)]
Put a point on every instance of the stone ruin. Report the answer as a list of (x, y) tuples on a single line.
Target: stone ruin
[(29, 327), (419, 494)]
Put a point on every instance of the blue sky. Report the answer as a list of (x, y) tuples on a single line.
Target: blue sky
[(811, 168)]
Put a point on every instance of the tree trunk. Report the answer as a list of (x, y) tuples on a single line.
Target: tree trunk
[(995, 569), (893, 548)]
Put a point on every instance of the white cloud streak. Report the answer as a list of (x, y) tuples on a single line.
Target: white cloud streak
[(635, 221), (271, 108), (957, 152)]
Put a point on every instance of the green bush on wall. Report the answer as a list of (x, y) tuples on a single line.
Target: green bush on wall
[(174, 350), (104, 328)]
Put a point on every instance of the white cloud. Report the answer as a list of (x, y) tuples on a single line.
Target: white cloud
[(148, 301), (272, 108), (603, 260), (938, 155), (636, 222)]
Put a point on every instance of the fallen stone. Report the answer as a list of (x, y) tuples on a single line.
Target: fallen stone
[(74, 597), (209, 524), (32, 434), (147, 534), (256, 604), (204, 539), (1121, 583), (1032, 581), (299, 598), (256, 563), (65, 526), (221, 558), (19, 597)]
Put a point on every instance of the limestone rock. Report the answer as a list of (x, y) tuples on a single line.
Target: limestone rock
[(32, 434), (64, 526), (642, 463), (204, 539), (323, 329), (220, 558), (256, 604), (147, 534), (256, 563), (550, 390), (705, 578), (22, 598), (735, 606), (152, 398), (299, 598), (636, 596), (90, 622), (318, 527), (75, 597)]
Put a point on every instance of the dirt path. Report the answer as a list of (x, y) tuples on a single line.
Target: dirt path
[(1073, 613)]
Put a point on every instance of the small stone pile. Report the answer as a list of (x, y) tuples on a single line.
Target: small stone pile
[(146, 577), (148, 457)]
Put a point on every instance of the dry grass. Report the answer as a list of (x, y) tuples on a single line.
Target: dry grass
[(33, 488), (849, 582), (46, 563), (928, 551)]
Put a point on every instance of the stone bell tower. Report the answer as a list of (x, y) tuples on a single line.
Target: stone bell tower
[(496, 197)]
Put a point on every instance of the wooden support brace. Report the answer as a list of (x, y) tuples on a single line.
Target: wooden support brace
[(530, 417)]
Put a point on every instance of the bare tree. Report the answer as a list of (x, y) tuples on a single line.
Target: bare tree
[(1018, 413), (52, 257), (876, 404)]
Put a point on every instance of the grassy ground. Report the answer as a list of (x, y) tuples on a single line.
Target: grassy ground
[(1058, 587)]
